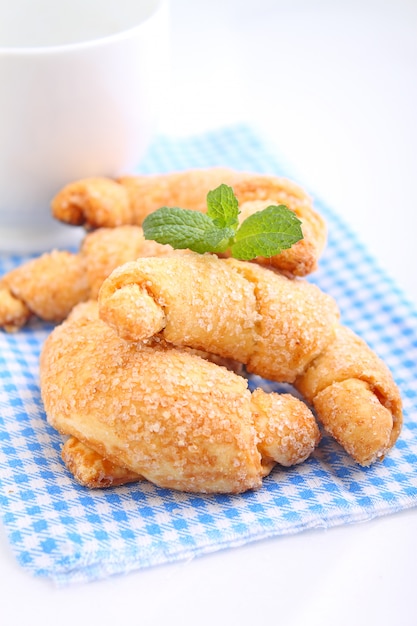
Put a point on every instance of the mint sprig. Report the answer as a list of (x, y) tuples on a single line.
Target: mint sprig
[(264, 233)]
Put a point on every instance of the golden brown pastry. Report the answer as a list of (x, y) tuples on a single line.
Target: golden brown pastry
[(164, 413), (49, 286), (283, 329), (98, 202), (273, 324)]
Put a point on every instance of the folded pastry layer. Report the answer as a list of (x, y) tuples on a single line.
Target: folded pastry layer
[(91, 470)]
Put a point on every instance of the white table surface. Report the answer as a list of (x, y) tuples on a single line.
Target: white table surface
[(333, 84)]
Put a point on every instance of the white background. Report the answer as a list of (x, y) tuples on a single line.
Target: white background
[(333, 84)]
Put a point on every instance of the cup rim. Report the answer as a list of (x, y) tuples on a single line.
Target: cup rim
[(160, 6)]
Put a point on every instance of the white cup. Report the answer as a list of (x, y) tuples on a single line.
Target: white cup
[(81, 84)]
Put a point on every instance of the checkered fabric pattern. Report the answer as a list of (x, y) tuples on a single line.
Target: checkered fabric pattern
[(60, 530)]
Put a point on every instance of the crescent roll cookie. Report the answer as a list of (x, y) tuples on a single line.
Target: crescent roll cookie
[(166, 414), (104, 202), (283, 329), (272, 324), (279, 441), (49, 286)]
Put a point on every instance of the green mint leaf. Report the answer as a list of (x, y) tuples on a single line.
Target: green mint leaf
[(266, 233), (222, 207), (183, 228)]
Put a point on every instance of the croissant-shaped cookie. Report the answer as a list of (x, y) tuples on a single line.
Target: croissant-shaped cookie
[(104, 202), (49, 286), (283, 329), (274, 325), (164, 413)]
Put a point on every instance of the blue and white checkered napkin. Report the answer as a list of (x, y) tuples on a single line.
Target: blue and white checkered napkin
[(65, 532)]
